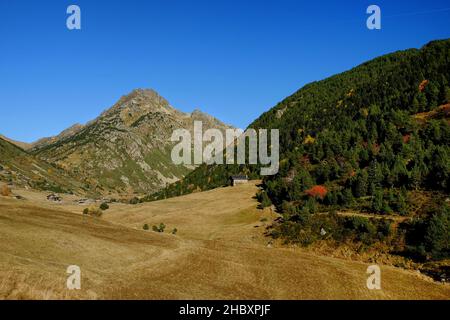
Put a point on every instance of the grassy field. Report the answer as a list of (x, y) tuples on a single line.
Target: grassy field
[(219, 252)]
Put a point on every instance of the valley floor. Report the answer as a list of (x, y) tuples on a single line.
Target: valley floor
[(219, 252)]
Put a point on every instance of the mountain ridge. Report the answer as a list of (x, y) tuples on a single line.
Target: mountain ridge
[(20, 144)]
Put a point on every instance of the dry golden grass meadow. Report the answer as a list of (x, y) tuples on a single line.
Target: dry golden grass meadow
[(219, 252)]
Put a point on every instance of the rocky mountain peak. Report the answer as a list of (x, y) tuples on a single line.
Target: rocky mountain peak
[(136, 104), (198, 115), (128, 147)]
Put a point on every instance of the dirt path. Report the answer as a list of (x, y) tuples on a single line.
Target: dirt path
[(219, 252), (397, 219)]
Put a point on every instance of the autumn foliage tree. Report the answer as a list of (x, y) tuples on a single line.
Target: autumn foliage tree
[(317, 192)]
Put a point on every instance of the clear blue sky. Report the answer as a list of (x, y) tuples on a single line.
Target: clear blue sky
[(233, 59)]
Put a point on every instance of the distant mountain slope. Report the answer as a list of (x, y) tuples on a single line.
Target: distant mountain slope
[(42, 143), (127, 148), (23, 145), (25, 170)]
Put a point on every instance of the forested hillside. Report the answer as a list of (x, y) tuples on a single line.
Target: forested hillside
[(375, 140), (376, 112)]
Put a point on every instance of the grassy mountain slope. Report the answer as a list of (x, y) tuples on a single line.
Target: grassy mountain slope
[(216, 254), (127, 148)]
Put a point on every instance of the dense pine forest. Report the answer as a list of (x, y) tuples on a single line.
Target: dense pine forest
[(373, 140)]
